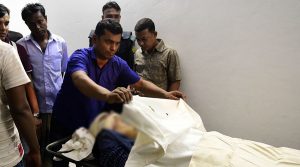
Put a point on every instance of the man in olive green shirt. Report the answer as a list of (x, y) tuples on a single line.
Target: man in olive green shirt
[(154, 61)]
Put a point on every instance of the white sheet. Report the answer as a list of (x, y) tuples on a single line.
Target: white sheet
[(171, 134), (217, 150), (168, 132)]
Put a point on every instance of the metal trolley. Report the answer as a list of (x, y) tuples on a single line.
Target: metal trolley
[(53, 148)]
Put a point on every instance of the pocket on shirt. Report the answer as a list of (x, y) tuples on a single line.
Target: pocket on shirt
[(139, 68), (56, 62)]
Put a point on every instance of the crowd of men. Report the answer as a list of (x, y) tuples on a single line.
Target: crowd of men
[(47, 94)]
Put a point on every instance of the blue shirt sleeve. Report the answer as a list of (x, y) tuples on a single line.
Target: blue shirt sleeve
[(127, 75), (78, 62)]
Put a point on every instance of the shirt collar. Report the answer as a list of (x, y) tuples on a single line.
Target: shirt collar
[(52, 37), (6, 40), (93, 55), (160, 46)]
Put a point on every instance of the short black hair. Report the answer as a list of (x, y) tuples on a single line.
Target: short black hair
[(144, 23), (32, 8), (111, 4), (3, 10), (109, 25)]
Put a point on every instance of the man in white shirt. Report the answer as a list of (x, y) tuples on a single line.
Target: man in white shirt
[(15, 112)]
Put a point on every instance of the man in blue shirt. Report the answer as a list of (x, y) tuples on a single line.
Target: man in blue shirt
[(96, 76), (48, 56)]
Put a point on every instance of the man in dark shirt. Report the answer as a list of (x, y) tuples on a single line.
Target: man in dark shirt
[(111, 10)]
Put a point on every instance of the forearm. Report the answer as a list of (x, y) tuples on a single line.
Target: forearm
[(25, 124), (31, 97), (174, 86), (149, 89), (88, 87), (22, 116)]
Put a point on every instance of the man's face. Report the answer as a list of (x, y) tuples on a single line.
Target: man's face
[(107, 45), (146, 39), (4, 26), (37, 24), (111, 13)]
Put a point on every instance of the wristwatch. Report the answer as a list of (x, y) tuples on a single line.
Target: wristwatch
[(36, 115)]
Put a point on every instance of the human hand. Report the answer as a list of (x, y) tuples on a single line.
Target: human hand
[(37, 122), (136, 92), (119, 95), (33, 159), (175, 95)]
